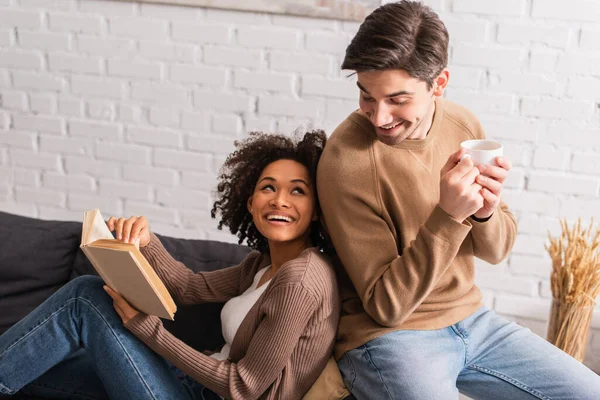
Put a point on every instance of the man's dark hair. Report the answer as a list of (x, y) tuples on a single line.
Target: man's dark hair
[(404, 35), (241, 172)]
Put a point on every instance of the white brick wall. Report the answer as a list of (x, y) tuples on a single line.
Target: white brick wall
[(133, 107)]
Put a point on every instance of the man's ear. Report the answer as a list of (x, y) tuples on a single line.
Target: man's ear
[(440, 83), (249, 204)]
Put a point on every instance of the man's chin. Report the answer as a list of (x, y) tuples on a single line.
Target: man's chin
[(391, 140)]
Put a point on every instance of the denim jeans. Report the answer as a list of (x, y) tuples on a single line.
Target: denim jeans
[(74, 345), (484, 357)]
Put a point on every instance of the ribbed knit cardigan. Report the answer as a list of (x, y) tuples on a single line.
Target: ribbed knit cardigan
[(281, 346)]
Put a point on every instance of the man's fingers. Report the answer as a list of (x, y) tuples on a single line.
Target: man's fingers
[(470, 176), (491, 184), (452, 161), (504, 162), (492, 201), (497, 173)]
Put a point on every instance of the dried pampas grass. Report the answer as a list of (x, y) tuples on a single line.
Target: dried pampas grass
[(575, 284)]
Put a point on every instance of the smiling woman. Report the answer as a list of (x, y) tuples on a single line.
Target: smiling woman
[(275, 173), (281, 302)]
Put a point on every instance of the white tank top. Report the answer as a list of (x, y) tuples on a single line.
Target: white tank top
[(236, 309)]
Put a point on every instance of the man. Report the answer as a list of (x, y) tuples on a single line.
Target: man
[(407, 217)]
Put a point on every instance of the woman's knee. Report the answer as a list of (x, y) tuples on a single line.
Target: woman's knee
[(86, 286)]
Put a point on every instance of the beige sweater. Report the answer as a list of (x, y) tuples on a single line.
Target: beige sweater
[(406, 263), (283, 343)]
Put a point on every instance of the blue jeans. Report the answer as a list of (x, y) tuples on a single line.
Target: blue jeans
[(74, 345), (484, 357)]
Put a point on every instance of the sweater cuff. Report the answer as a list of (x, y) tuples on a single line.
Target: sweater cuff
[(442, 225), (481, 220), (153, 248), (489, 226)]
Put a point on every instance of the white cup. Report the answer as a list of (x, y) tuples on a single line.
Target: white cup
[(482, 151)]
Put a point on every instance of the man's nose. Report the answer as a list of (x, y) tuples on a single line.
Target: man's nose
[(382, 115)]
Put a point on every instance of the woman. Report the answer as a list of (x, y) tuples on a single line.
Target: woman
[(279, 319)]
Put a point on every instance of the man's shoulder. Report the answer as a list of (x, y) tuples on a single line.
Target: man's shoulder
[(352, 131), (461, 118), (348, 144)]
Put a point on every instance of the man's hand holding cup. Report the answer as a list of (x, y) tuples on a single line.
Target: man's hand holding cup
[(493, 167), (460, 195)]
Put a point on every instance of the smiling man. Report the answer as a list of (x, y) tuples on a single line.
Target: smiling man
[(407, 217)]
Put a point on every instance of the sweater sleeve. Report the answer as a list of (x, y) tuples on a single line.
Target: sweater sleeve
[(494, 238), (188, 287), (285, 314), (390, 285)]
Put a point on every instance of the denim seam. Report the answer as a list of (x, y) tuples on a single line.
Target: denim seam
[(129, 359), (378, 373), (6, 390), (35, 328), (461, 334), (89, 303), (353, 371), (510, 380)]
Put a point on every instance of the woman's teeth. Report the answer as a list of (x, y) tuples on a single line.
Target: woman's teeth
[(279, 218)]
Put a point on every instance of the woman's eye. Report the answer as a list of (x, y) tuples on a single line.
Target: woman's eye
[(269, 188), (298, 190)]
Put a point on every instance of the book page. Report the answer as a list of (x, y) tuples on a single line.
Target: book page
[(94, 227)]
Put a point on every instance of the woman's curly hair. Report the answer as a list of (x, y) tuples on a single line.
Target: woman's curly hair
[(241, 172)]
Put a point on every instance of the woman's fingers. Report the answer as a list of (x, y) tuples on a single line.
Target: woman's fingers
[(111, 223), (140, 225), (127, 226), (123, 308), (130, 229)]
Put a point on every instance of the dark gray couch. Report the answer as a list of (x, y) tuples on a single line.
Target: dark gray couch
[(38, 257)]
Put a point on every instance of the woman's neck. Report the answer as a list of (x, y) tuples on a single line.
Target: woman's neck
[(283, 252)]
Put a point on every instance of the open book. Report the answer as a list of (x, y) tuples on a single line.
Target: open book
[(124, 269)]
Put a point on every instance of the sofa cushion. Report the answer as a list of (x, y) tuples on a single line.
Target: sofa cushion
[(35, 260)]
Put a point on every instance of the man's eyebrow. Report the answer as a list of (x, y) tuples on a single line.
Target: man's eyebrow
[(399, 93)]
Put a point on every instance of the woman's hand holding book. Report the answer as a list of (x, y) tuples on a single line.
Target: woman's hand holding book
[(131, 229)]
